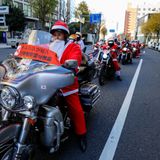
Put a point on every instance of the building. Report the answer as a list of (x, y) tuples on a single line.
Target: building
[(70, 10), (130, 21), (24, 5), (147, 8)]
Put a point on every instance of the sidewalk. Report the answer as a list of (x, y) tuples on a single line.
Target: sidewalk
[(4, 45)]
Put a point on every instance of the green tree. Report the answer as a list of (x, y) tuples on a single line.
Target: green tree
[(152, 25), (83, 10), (73, 27), (43, 9), (103, 30), (15, 19)]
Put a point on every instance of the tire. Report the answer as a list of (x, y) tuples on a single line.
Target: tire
[(25, 156), (101, 77), (13, 46), (123, 61)]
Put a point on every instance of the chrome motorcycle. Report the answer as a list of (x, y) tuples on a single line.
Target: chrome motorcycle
[(32, 110)]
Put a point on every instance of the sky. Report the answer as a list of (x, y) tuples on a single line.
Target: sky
[(113, 11)]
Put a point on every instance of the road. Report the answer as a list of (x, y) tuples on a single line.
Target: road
[(140, 138)]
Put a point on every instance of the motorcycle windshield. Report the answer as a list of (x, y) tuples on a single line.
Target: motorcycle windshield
[(37, 49)]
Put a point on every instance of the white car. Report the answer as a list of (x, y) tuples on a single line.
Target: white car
[(159, 47), (150, 43)]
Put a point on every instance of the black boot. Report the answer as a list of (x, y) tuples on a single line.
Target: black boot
[(82, 142), (119, 78)]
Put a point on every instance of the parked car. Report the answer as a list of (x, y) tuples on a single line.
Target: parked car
[(150, 43), (157, 45), (14, 41)]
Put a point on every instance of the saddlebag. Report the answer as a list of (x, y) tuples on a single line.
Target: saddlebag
[(89, 95)]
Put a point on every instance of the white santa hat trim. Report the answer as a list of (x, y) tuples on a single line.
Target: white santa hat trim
[(60, 27)]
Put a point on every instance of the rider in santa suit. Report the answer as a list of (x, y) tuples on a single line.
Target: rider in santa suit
[(68, 50), (113, 48)]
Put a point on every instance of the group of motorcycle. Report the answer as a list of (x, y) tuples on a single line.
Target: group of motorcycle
[(34, 113), (103, 59)]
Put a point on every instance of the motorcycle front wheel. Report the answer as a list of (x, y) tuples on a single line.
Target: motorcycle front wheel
[(25, 155), (101, 77), (123, 61)]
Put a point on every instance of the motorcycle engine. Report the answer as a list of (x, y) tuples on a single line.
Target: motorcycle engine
[(51, 120)]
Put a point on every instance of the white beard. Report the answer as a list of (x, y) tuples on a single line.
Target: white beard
[(58, 46)]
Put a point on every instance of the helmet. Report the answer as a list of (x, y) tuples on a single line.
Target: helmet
[(79, 34), (111, 43), (60, 26), (73, 37)]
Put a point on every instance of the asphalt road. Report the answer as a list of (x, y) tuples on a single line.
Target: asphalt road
[(140, 138)]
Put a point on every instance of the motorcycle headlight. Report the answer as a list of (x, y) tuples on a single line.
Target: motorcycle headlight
[(104, 56), (29, 102), (134, 49), (9, 97)]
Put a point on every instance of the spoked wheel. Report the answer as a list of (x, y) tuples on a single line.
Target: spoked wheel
[(26, 155), (7, 151), (102, 75)]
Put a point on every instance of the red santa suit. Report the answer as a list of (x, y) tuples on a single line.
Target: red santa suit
[(73, 51), (114, 57)]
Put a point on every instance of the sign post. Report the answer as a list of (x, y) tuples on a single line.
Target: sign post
[(96, 19)]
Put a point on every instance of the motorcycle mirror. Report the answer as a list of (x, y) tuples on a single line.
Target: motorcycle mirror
[(72, 64)]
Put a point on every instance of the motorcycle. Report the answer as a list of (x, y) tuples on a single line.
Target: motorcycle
[(107, 70), (33, 111), (134, 51), (126, 56)]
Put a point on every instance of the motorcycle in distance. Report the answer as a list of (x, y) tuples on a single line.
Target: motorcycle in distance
[(107, 70), (126, 56), (134, 51), (30, 94)]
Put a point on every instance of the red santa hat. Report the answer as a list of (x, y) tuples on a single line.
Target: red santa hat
[(60, 25)]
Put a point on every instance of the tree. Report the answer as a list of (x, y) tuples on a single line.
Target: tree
[(43, 9), (15, 19), (83, 10), (103, 30), (152, 25), (73, 27)]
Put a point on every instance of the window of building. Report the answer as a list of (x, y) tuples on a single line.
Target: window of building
[(144, 9), (25, 9), (19, 5), (149, 9), (139, 9)]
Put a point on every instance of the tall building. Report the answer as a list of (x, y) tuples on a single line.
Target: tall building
[(60, 12), (24, 5), (147, 8), (70, 10), (130, 20)]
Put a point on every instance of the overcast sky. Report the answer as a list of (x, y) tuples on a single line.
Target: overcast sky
[(113, 11)]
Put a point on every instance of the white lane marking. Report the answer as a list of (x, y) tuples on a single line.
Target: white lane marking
[(112, 142)]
